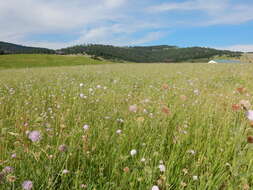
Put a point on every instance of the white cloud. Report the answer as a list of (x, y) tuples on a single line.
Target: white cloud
[(217, 11), (243, 48)]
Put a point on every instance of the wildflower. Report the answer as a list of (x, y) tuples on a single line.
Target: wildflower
[(166, 110), (185, 171), (86, 127), (83, 186), (191, 152), (245, 104), (250, 139), (65, 171), (7, 170), (241, 90), (183, 184), (63, 148), (196, 92), (34, 136), (14, 155), (249, 115), (165, 86), (236, 107), (143, 160), (11, 178), (195, 178), (133, 108), (161, 167), (98, 86), (27, 185), (120, 120), (81, 84), (155, 187), (118, 131), (126, 169), (82, 96), (133, 152)]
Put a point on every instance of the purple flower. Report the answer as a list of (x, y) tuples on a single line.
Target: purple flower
[(8, 170), (34, 136), (63, 148), (27, 185)]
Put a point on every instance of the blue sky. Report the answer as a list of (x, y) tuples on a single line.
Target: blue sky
[(223, 24)]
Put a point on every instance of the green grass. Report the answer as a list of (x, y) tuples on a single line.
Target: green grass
[(202, 136), (36, 60)]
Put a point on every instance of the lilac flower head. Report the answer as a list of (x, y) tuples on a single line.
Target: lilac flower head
[(27, 185), (63, 148), (34, 136), (8, 170)]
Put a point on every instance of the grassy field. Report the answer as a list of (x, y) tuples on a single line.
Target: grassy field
[(137, 126), (35, 60)]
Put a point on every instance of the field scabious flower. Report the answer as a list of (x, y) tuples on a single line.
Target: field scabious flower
[(155, 187), (27, 185), (162, 168), (133, 108), (63, 148), (34, 136), (249, 115), (86, 127), (8, 170), (65, 171)]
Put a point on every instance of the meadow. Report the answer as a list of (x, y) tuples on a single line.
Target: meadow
[(126, 126), (37, 60)]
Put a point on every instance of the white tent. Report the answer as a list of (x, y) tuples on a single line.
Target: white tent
[(212, 62)]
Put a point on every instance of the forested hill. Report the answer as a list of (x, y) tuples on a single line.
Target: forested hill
[(149, 54), (9, 48)]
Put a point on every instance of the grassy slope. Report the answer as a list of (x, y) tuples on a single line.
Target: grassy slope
[(201, 137), (36, 60)]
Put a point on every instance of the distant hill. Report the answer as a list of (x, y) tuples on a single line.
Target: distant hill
[(9, 48), (149, 54)]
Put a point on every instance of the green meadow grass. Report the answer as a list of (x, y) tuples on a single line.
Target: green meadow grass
[(184, 122), (36, 60)]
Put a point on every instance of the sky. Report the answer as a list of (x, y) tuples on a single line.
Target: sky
[(221, 24)]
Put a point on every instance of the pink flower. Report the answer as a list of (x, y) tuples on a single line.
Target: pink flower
[(34, 136), (27, 185), (249, 115), (133, 108)]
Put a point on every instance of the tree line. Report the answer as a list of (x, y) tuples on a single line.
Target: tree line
[(148, 54)]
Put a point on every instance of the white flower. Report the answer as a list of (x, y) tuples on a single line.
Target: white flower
[(86, 127), (155, 187), (191, 152), (133, 152), (196, 92), (81, 84), (83, 96), (195, 178), (98, 86), (143, 160), (118, 131), (27, 185), (133, 108), (34, 136), (162, 168), (65, 171), (249, 115)]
